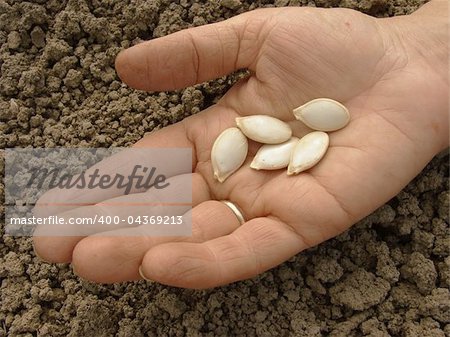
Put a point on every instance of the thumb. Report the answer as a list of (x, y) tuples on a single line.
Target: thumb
[(192, 55)]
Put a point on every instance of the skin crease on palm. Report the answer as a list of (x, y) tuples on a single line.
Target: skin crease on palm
[(392, 74)]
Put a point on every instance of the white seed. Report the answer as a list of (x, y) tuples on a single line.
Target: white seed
[(228, 153), (308, 152), (274, 156), (323, 114), (264, 129)]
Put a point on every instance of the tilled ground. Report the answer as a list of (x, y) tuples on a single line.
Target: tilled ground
[(387, 276)]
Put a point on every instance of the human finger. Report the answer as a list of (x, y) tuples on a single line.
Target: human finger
[(117, 257), (256, 246), (55, 242), (193, 55), (145, 161)]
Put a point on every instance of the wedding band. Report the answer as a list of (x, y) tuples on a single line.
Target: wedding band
[(237, 212)]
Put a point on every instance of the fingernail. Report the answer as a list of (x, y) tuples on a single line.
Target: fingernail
[(143, 276)]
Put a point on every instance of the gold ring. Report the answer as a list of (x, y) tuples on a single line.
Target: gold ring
[(237, 212)]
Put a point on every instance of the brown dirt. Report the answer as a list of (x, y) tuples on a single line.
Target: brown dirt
[(387, 276)]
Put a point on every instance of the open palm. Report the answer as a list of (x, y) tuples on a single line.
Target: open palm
[(294, 55)]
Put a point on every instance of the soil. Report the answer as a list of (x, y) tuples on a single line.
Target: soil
[(387, 276)]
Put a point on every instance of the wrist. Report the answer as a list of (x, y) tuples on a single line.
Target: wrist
[(418, 44), (429, 27)]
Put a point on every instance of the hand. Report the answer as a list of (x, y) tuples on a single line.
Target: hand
[(394, 86)]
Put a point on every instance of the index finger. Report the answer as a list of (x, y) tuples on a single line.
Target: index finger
[(127, 163)]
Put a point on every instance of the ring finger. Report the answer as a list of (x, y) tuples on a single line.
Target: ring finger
[(115, 258)]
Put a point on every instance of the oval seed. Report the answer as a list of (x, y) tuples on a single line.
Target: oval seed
[(323, 114), (264, 129), (308, 152), (274, 156), (228, 153)]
